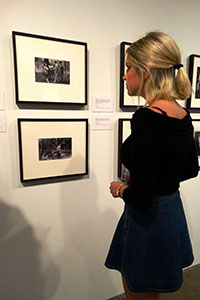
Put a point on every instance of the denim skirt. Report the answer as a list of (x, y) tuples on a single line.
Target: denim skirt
[(150, 248)]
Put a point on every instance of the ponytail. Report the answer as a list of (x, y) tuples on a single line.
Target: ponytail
[(182, 85)]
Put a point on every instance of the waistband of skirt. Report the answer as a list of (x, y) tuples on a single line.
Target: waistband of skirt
[(159, 203), (169, 197)]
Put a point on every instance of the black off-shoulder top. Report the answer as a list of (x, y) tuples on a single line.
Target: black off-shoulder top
[(159, 154)]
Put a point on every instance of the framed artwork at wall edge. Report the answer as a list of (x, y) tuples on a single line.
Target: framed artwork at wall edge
[(124, 126), (52, 148), (193, 103), (196, 124), (126, 101), (49, 70)]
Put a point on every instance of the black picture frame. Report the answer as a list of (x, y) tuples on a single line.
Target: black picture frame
[(196, 124), (124, 130), (193, 102), (127, 102), (49, 70), (52, 148)]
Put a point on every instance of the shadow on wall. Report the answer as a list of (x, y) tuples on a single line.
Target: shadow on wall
[(21, 273), (88, 236)]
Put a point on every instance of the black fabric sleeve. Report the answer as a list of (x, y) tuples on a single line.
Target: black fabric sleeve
[(143, 169)]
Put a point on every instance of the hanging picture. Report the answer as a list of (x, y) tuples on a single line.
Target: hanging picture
[(126, 101), (124, 131), (196, 124), (193, 102), (49, 70), (51, 148)]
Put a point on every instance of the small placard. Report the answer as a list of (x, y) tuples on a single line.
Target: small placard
[(102, 123), (102, 104)]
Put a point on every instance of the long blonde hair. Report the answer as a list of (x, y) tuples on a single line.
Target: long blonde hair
[(155, 56)]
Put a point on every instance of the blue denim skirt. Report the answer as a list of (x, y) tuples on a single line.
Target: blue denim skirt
[(150, 248)]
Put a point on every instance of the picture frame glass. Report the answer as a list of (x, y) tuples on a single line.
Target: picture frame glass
[(49, 70), (124, 132), (194, 74), (196, 124), (52, 148)]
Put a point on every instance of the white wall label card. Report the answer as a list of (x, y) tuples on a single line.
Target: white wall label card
[(102, 104), (2, 100), (102, 123), (2, 122)]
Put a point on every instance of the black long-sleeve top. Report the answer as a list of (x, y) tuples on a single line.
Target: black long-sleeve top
[(159, 154)]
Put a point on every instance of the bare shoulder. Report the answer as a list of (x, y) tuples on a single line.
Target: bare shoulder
[(172, 108)]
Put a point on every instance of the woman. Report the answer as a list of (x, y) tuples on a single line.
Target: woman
[(151, 244)]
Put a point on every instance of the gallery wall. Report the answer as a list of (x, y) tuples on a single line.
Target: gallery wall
[(54, 236)]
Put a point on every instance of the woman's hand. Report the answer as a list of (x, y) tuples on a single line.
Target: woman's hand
[(116, 188)]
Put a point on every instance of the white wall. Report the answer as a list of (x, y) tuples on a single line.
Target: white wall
[(54, 237)]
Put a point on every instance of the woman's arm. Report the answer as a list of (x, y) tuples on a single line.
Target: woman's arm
[(143, 168)]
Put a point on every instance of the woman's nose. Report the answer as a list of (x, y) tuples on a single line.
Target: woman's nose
[(124, 77)]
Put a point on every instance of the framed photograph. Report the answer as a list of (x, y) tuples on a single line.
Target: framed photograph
[(193, 103), (49, 70), (196, 124), (51, 148), (126, 101), (124, 126)]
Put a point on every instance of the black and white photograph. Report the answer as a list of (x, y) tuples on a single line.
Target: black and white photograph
[(52, 70), (197, 141), (193, 102), (124, 130), (196, 124), (49, 70), (55, 148), (197, 92), (52, 148)]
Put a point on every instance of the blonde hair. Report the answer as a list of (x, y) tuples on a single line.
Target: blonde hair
[(154, 57)]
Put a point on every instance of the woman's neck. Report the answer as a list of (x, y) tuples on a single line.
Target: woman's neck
[(164, 102)]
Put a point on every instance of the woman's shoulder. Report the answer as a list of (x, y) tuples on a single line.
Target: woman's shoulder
[(144, 114), (148, 120), (158, 112), (142, 118)]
